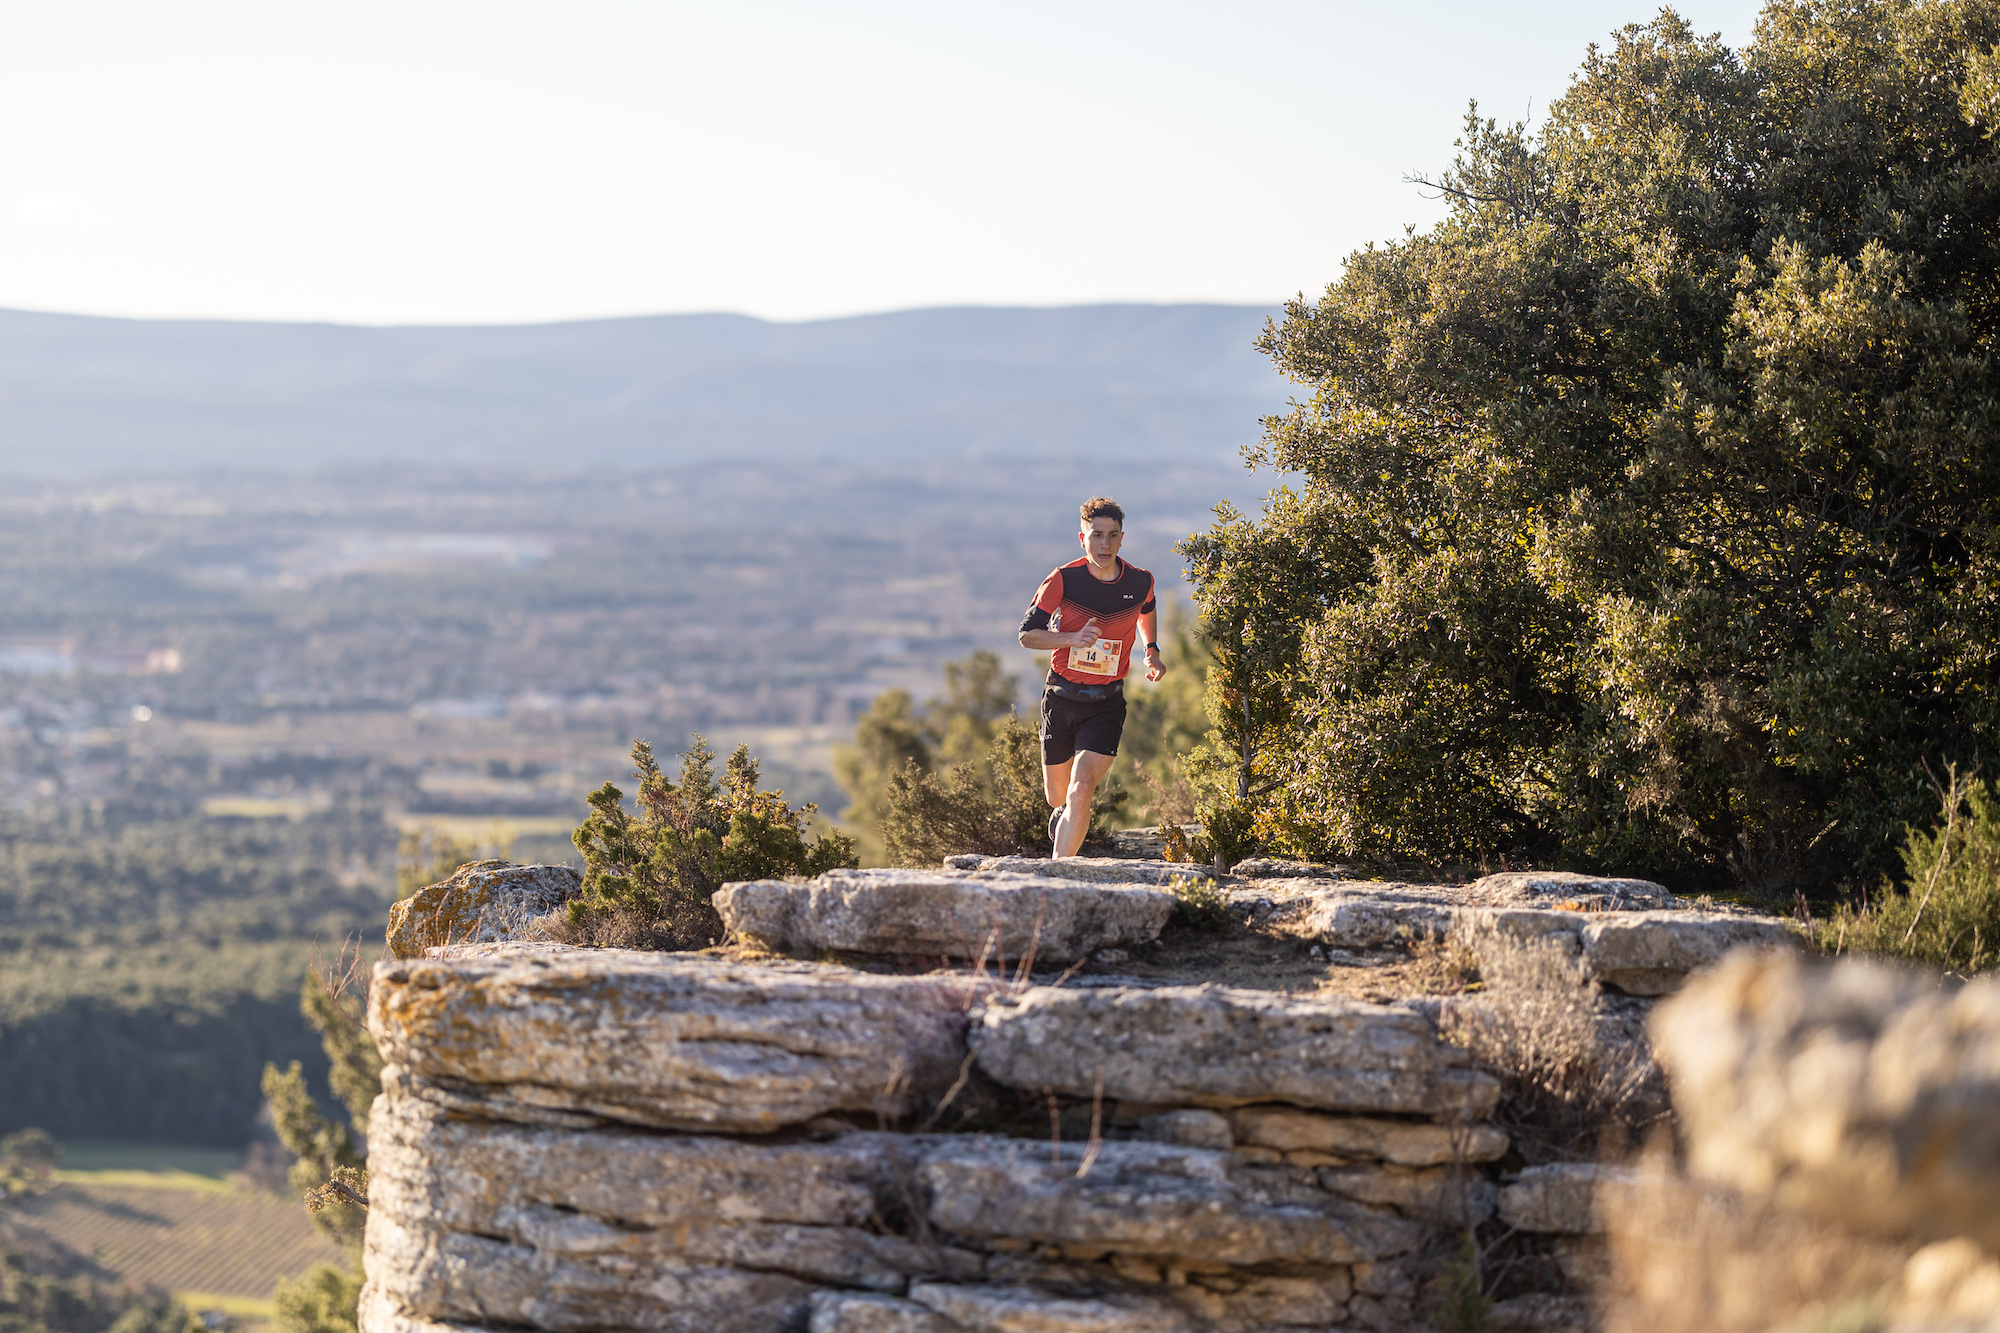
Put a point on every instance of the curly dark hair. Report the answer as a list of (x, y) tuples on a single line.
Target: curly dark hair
[(1102, 506)]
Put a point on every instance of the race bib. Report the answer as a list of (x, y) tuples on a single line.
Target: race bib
[(1098, 659)]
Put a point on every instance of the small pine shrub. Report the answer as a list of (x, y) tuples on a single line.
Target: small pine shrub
[(1463, 1306), (1947, 914), (324, 1150), (1229, 833), (649, 875)]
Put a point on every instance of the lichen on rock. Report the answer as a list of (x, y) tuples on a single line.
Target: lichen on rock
[(480, 902)]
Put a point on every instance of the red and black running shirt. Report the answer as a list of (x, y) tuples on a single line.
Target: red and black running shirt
[(1072, 597)]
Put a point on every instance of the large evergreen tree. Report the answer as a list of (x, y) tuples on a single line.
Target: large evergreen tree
[(1650, 502)]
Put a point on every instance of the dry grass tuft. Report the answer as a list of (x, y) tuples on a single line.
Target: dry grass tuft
[(1575, 1084), (1440, 964)]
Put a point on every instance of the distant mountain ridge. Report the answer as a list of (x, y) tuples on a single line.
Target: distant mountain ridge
[(82, 396)]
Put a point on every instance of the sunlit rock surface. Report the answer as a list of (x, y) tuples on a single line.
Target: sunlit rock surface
[(480, 902), (573, 1140), (998, 915), (1213, 1046), (670, 1040)]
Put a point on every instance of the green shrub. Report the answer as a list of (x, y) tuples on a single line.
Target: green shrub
[(331, 1171), (324, 1299), (995, 807), (322, 1147), (648, 877), (950, 730), (1947, 913), (1198, 903)]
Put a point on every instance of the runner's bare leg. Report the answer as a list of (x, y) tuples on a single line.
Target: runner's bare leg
[(1055, 782), (1086, 770)]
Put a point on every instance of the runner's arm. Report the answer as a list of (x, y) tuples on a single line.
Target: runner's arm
[(1047, 640), (1149, 634), (1035, 633)]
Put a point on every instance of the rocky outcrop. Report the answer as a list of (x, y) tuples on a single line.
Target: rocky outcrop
[(999, 915), (574, 1140), (480, 902), (1842, 1131), (1861, 1093)]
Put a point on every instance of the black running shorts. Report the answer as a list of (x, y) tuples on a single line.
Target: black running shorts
[(1069, 725)]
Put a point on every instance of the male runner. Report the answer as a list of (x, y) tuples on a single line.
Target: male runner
[(1088, 611)]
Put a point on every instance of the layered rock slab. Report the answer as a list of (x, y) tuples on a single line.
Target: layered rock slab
[(1858, 1092), (670, 1040), (483, 1223), (1630, 934), (569, 1230), (1084, 869), (479, 903), (1219, 1047), (948, 914), (1651, 953), (1561, 1198), (1160, 1200), (1026, 1309), (1402, 1142)]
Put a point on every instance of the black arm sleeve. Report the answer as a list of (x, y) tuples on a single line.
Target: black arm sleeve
[(1035, 619)]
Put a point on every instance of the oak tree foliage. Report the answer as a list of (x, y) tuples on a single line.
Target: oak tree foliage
[(1648, 511)]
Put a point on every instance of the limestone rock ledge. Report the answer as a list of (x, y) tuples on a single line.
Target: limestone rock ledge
[(670, 1041), (572, 1140), (1001, 915), (1625, 933), (1215, 1046)]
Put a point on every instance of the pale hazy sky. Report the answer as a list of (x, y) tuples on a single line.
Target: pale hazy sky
[(513, 160)]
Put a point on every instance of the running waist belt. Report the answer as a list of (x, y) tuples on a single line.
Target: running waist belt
[(1066, 688)]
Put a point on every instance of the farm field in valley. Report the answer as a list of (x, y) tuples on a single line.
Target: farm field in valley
[(174, 1218)]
